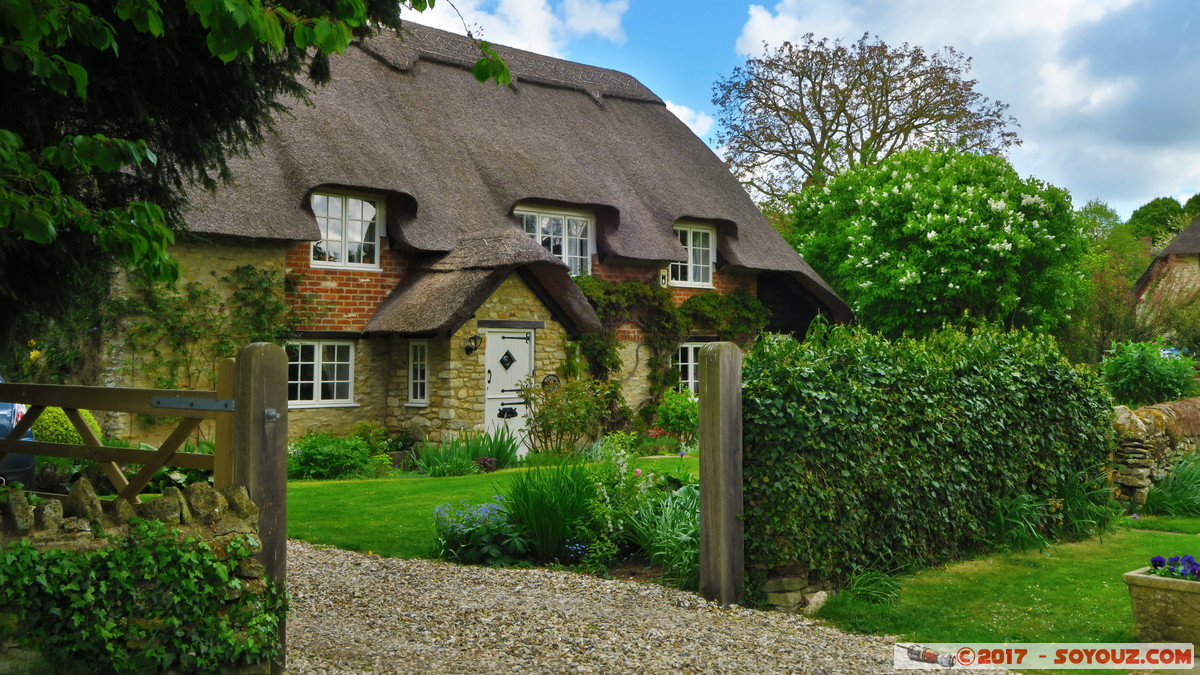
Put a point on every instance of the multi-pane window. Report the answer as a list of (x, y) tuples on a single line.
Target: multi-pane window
[(320, 372), (700, 243), (687, 360), (349, 231), (567, 235), (418, 372)]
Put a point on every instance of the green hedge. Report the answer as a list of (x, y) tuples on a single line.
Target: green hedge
[(862, 453)]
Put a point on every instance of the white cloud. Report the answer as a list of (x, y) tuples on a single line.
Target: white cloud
[(699, 122), (534, 25)]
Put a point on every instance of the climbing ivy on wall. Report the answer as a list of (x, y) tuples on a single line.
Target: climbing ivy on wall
[(175, 335), (738, 316)]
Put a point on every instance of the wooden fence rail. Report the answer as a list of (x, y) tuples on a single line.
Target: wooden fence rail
[(191, 407)]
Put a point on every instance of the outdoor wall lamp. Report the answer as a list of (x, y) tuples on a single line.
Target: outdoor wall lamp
[(473, 343)]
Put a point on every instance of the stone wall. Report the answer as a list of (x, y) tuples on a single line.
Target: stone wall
[(83, 522), (1150, 442), (793, 589)]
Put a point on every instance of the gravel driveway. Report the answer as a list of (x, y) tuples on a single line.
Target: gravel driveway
[(356, 613)]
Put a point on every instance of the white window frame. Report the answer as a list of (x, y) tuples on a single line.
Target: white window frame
[(418, 373), (569, 246), (346, 239), (320, 376), (687, 361), (685, 273)]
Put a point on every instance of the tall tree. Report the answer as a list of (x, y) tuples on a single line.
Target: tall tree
[(1096, 220), (805, 111), (928, 237), (111, 107), (1158, 219)]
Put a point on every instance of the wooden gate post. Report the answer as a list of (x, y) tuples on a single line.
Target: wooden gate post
[(260, 455), (722, 540)]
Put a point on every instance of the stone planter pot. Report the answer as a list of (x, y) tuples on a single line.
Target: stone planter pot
[(1164, 609)]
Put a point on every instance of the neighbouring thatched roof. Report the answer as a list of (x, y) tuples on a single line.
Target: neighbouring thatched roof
[(406, 119), (1185, 243), (442, 296)]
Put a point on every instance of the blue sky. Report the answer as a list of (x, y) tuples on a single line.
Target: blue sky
[(1106, 92)]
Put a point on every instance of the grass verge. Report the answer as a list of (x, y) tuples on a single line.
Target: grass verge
[(1074, 593)]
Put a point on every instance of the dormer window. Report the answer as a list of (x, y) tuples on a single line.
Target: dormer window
[(569, 235), (700, 242), (349, 230)]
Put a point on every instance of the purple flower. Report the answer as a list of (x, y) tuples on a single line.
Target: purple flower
[(682, 453), (1135, 517), (1158, 561)]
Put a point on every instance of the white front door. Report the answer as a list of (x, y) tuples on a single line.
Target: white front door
[(509, 359)]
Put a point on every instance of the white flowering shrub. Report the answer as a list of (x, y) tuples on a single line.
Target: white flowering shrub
[(927, 237)]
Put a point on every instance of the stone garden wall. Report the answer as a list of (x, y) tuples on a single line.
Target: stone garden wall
[(1150, 441), (85, 522)]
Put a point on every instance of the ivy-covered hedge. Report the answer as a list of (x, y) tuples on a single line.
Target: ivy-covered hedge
[(861, 453), (151, 603)]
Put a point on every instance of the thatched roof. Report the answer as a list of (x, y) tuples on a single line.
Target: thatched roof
[(1185, 243), (408, 120), (442, 296)]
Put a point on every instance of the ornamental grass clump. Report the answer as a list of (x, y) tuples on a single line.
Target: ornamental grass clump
[(1177, 494), (551, 502), (460, 456), (667, 529), (1175, 567)]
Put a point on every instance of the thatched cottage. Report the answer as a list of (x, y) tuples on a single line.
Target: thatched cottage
[(440, 220), (1173, 276)]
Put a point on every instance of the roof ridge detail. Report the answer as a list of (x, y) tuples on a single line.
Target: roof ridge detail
[(423, 42)]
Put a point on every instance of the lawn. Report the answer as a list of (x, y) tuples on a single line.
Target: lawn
[(1071, 593), (394, 516)]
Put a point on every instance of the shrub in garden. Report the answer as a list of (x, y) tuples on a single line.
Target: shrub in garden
[(667, 528), (561, 419), (1177, 494), (1138, 373), (459, 456), (552, 503), (53, 426), (321, 456), (484, 534), (858, 448), (678, 413)]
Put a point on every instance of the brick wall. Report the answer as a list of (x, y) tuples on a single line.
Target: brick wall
[(346, 297)]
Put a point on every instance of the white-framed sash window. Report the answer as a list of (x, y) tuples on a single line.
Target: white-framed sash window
[(418, 372), (700, 242), (687, 360), (350, 226), (320, 373), (569, 235)]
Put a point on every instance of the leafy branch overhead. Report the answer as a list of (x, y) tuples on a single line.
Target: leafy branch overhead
[(805, 111), (111, 109)]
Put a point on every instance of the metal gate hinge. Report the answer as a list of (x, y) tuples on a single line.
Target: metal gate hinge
[(188, 403)]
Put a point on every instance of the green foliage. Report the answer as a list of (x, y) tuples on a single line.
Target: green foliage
[(458, 456), (123, 104), (1018, 524), (561, 419), (53, 426), (736, 317), (858, 449), (321, 456), (1096, 220), (154, 602), (668, 530), (1137, 373), (930, 237), (678, 413), (176, 335), (551, 502), (873, 586), (1158, 218), (478, 535), (1177, 494)]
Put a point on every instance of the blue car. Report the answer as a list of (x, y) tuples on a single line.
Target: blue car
[(15, 467)]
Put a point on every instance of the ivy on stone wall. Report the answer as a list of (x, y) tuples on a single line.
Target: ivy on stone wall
[(174, 335), (738, 316), (155, 602)]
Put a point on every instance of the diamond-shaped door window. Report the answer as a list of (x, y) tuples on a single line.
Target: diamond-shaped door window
[(507, 360)]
